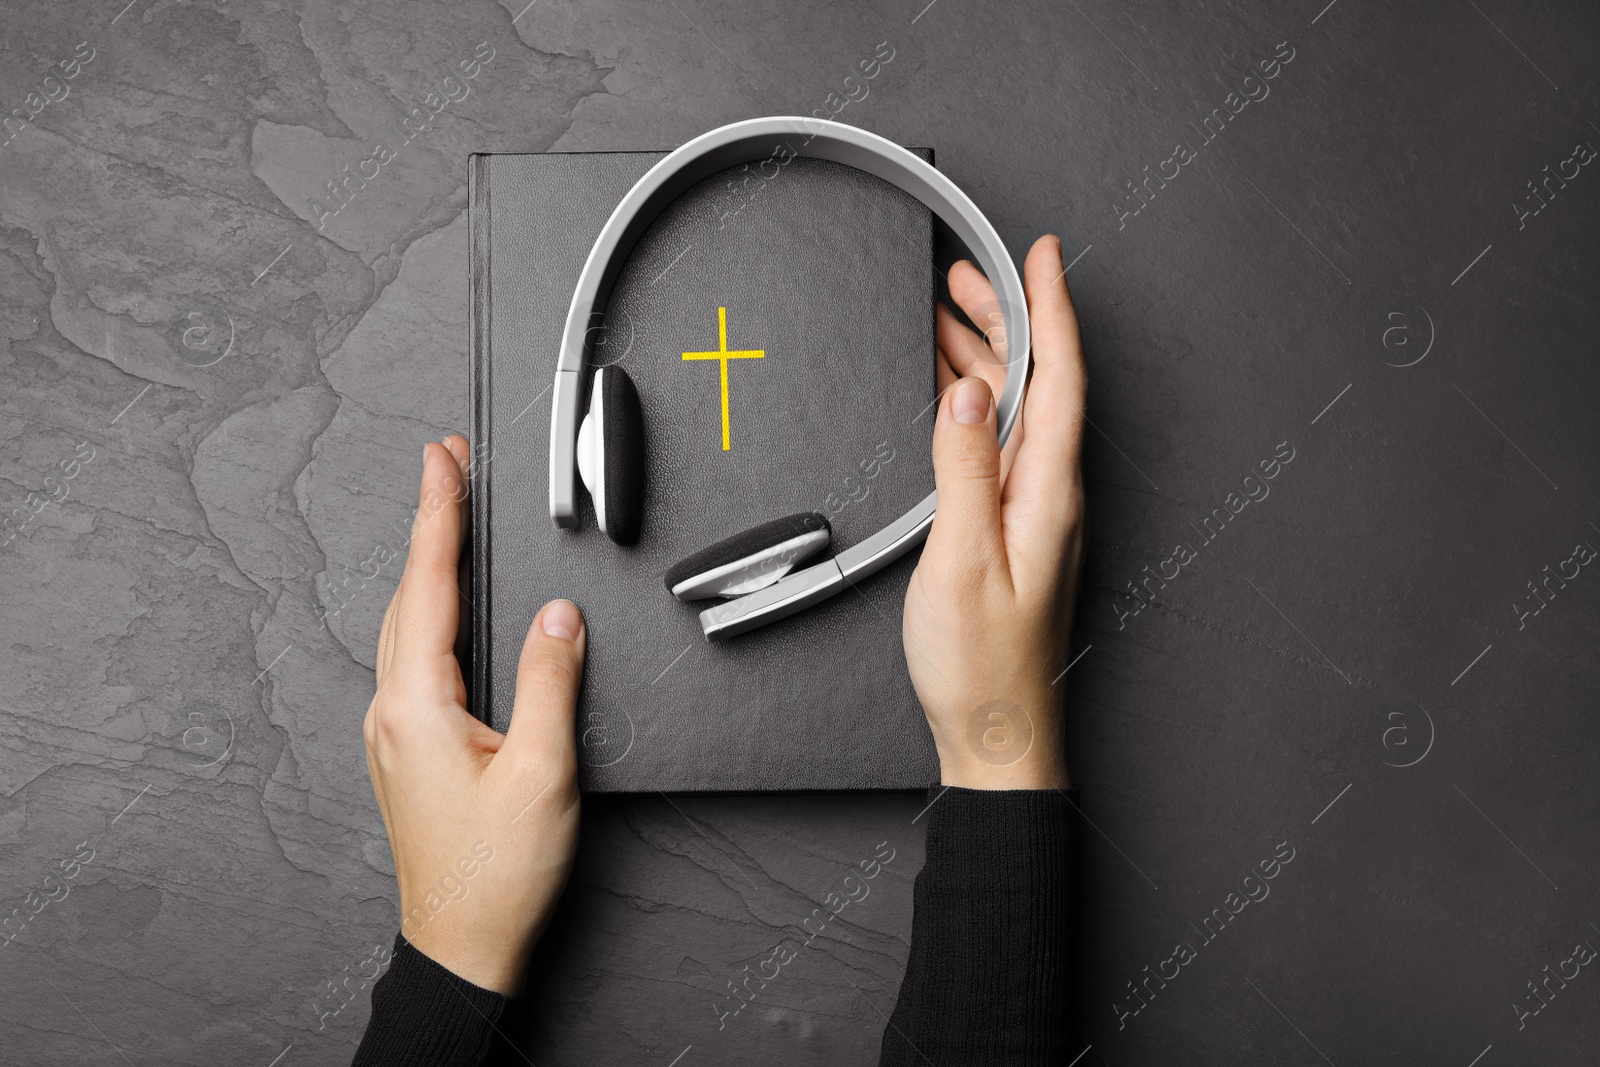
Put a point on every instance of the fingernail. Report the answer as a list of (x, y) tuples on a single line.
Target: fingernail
[(971, 402), (561, 619)]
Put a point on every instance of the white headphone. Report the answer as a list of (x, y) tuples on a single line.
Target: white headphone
[(751, 566)]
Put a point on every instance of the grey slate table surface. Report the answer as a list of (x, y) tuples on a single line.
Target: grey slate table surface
[(1381, 260)]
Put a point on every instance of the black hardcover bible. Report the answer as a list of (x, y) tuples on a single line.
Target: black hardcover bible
[(778, 322)]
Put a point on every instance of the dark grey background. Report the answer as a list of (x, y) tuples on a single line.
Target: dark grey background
[(172, 699)]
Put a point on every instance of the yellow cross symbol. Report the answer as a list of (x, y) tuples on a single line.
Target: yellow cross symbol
[(722, 355)]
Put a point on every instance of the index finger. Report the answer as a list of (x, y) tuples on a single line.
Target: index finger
[(1044, 489), (1055, 400), (428, 606)]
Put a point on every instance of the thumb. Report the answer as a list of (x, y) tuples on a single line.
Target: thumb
[(548, 676), (966, 471)]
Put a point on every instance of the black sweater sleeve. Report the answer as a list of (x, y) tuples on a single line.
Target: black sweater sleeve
[(986, 982), (424, 1015)]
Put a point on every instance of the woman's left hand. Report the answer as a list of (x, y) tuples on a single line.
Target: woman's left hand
[(483, 826)]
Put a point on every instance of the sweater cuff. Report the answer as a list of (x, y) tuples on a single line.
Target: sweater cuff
[(974, 832), (986, 982), (425, 1014)]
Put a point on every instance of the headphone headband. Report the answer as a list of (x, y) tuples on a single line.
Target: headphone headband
[(745, 142)]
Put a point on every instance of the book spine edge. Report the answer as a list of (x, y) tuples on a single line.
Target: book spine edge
[(476, 650)]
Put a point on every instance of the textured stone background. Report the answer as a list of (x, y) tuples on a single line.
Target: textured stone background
[(1344, 669)]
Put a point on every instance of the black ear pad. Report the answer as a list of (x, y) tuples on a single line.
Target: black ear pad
[(611, 455), (750, 560), (624, 456)]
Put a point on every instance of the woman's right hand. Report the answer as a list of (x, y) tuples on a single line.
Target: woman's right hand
[(988, 611)]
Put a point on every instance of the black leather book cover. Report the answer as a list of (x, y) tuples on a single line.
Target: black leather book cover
[(825, 271)]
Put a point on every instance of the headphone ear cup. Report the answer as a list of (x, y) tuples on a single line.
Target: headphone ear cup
[(750, 560), (610, 454)]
